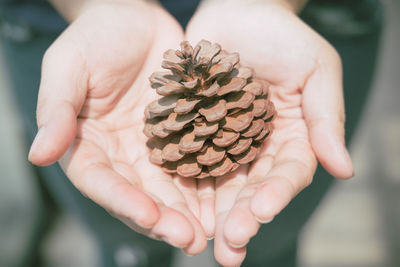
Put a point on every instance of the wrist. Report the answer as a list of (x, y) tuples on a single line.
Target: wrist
[(69, 9), (294, 5), (72, 9)]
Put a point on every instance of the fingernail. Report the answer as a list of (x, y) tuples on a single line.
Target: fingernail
[(348, 161), (348, 158), (264, 221), (238, 246), (188, 255), (210, 238), (39, 138)]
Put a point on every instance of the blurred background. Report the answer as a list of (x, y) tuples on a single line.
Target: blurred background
[(357, 224)]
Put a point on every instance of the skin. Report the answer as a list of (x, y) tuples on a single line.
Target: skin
[(93, 92), (95, 86), (305, 73)]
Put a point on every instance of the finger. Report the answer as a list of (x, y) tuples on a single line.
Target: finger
[(324, 114), (206, 195), (90, 171), (174, 228), (199, 242), (225, 254), (188, 188), (292, 170), (227, 189), (241, 224), (162, 229), (191, 208), (162, 187), (61, 95)]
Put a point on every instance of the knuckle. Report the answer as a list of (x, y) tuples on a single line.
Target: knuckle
[(49, 55), (335, 57), (307, 181)]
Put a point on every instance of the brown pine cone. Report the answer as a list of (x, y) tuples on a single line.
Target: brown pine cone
[(213, 114)]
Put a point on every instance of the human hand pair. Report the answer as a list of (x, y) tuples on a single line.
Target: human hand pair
[(94, 89)]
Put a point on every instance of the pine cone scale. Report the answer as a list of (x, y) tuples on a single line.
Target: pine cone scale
[(191, 143), (176, 122), (215, 111), (238, 121), (188, 167), (260, 106), (240, 146), (211, 91), (235, 85), (211, 155), (241, 99), (186, 105), (161, 107), (225, 138), (247, 156), (171, 151), (170, 167), (255, 88), (242, 72), (255, 128), (221, 168), (263, 134)]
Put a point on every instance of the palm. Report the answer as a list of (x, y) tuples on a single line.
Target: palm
[(284, 53), (110, 61), (289, 55)]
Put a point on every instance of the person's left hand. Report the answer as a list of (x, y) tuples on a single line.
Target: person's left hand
[(306, 87)]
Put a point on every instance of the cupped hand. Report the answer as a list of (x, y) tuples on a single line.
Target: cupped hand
[(305, 74), (93, 91)]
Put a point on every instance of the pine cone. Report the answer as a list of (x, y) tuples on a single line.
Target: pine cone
[(212, 116)]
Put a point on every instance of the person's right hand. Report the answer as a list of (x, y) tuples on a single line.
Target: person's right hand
[(93, 91), (305, 76)]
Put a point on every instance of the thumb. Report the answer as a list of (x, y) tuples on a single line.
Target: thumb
[(62, 92), (323, 107)]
